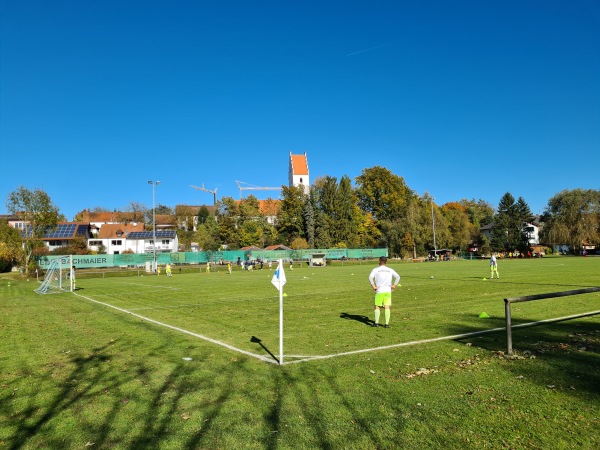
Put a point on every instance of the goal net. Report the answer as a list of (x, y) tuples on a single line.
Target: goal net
[(59, 277)]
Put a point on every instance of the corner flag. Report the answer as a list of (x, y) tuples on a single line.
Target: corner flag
[(278, 279)]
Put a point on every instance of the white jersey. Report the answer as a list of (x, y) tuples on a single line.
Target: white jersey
[(383, 277)]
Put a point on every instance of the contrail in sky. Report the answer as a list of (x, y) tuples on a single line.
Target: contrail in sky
[(366, 50)]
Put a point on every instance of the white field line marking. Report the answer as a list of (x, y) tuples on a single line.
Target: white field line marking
[(454, 336), (152, 286), (181, 330)]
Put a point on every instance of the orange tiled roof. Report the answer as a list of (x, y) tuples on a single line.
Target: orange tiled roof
[(269, 207), (299, 164), (277, 247), (110, 230)]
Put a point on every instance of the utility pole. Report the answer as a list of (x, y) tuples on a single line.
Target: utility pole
[(154, 184)]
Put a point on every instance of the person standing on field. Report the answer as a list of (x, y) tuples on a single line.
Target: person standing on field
[(383, 280), (493, 267)]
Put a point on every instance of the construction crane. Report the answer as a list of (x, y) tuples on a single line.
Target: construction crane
[(251, 187), (214, 193)]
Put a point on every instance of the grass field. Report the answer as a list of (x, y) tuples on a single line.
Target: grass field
[(191, 361)]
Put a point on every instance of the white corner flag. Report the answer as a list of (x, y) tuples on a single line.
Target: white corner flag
[(278, 281)]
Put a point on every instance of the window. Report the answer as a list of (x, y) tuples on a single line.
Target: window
[(165, 242), (94, 243), (116, 242)]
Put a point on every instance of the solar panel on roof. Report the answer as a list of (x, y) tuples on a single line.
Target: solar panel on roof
[(150, 234), (63, 230)]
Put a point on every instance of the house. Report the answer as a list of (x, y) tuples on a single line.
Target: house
[(298, 172), (113, 237), (531, 230), (14, 221), (143, 241), (61, 235)]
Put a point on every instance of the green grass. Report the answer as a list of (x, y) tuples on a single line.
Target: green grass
[(74, 372)]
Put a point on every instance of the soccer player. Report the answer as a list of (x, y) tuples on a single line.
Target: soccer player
[(168, 270), (229, 267), (493, 267), (73, 277), (383, 280)]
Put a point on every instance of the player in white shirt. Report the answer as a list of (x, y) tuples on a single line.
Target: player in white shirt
[(383, 280)]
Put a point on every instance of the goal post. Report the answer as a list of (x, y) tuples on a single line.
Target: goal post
[(59, 277)]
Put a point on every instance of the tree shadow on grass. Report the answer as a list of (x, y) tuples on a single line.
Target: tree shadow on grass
[(566, 353)]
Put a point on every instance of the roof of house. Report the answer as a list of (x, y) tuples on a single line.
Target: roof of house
[(111, 216), (251, 247), (277, 247), (299, 164), (111, 230)]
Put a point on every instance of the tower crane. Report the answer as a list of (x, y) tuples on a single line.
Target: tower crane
[(250, 187), (214, 193)]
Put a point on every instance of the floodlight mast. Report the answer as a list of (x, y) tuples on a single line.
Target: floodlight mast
[(251, 187), (154, 184), (214, 193)]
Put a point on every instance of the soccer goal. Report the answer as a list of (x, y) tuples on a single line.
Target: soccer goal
[(60, 277)]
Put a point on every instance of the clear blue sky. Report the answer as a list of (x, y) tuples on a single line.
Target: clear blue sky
[(464, 99)]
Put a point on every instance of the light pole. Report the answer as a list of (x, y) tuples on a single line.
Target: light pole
[(154, 184)]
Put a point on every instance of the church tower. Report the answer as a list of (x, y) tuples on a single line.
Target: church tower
[(298, 174)]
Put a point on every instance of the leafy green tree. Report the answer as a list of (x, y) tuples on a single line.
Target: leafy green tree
[(290, 220), (203, 215), (39, 212), (11, 249), (572, 217), (227, 217), (382, 194), (459, 226)]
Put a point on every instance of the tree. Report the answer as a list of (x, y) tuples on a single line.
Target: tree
[(573, 217), (459, 227), (227, 216), (163, 209), (509, 233), (382, 194), (203, 215), (11, 250), (290, 221), (134, 212), (39, 212)]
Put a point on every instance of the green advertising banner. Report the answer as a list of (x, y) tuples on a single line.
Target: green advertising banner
[(141, 260)]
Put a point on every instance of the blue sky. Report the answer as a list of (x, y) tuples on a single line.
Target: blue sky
[(464, 99)]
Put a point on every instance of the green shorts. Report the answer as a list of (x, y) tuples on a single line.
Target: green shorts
[(383, 299)]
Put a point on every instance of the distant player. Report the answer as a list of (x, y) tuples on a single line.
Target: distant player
[(383, 280), (207, 267), (73, 277), (168, 270), (493, 267), (229, 268)]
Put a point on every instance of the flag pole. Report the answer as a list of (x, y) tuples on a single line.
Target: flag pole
[(280, 316)]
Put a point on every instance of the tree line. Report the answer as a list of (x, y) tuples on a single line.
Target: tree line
[(379, 210)]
